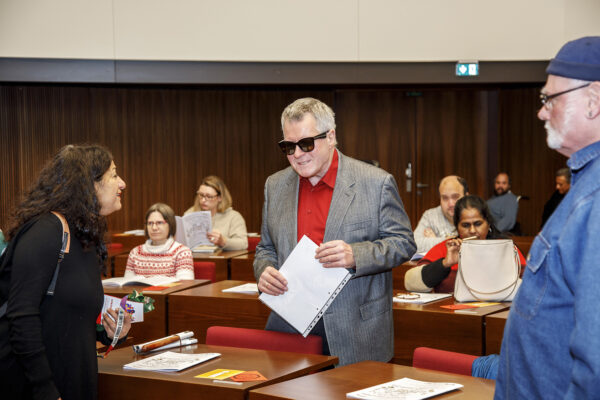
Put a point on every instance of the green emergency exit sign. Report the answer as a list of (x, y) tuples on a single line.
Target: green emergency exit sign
[(467, 68)]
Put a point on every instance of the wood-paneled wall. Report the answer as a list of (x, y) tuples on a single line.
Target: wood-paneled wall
[(166, 138)]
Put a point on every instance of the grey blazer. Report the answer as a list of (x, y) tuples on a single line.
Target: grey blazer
[(366, 212)]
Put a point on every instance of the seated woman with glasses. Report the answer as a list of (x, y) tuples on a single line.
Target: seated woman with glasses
[(437, 270), (228, 226), (161, 254)]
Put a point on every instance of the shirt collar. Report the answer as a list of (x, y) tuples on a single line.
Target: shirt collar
[(329, 177), (580, 158)]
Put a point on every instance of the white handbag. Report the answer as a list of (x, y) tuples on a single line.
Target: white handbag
[(488, 270)]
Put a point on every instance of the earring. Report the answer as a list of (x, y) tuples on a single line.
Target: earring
[(590, 114)]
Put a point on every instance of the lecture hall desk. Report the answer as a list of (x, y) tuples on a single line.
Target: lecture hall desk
[(494, 330), (198, 308), (242, 268), (222, 260), (155, 322), (335, 383), (116, 383), (430, 325)]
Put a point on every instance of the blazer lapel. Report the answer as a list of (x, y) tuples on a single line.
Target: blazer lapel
[(343, 194), (289, 205)]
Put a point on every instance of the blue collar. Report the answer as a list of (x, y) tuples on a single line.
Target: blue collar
[(582, 157)]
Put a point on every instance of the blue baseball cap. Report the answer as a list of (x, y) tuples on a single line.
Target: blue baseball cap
[(578, 59)]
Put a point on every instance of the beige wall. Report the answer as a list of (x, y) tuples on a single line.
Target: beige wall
[(287, 30)]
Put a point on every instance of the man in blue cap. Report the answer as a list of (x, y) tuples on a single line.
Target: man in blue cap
[(551, 345)]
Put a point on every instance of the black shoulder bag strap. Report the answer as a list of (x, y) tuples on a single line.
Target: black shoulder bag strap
[(66, 245)]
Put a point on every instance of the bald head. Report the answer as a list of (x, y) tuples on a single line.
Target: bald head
[(501, 184), (451, 189)]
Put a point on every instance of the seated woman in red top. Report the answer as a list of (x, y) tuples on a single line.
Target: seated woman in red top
[(437, 270)]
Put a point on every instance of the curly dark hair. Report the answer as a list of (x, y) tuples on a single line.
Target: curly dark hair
[(66, 185), (476, 202)]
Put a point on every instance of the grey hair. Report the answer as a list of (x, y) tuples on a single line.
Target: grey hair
[(323, 114), (564, 172)]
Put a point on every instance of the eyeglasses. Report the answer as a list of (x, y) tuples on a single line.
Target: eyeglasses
[(306, 144), (207, 197), (159, 224), (546, 98)]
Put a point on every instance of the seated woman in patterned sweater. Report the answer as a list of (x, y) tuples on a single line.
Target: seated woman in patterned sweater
[(437, 270), (161, 254)]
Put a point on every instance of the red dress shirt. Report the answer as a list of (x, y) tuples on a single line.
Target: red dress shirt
[(314, 202)]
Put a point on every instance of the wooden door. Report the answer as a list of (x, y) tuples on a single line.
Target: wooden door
[(379, 125), (452, 138)]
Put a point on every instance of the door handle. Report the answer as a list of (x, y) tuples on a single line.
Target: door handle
[(422, 185)]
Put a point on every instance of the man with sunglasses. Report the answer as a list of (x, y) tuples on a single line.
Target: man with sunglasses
[(551, 344), (355, 214)]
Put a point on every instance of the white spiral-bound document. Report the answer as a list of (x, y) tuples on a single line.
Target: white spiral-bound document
[(311, 288)]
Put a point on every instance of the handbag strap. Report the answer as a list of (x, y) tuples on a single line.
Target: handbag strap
[(65, 247)]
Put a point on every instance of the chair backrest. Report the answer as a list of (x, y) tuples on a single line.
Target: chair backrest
[(441, 360), (252, 242), (264, 340), (205, 270)]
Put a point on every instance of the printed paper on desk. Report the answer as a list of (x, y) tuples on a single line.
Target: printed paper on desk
[(249, 288), (311, 288)]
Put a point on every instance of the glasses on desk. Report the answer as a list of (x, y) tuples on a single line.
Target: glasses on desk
[(408, 296)]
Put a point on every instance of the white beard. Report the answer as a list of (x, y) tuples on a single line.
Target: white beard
[(555, 137)]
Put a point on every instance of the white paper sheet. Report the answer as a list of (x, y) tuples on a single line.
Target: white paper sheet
[(311, 287), (170, 361), (404, 389), (248, 288)]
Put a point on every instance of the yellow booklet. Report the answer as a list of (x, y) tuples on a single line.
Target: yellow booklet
[(219, 374)]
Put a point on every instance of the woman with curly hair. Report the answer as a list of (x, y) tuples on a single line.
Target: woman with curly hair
[(228, 226), (48, 343)]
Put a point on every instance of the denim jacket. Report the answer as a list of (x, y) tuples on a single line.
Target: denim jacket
[(551, 344)]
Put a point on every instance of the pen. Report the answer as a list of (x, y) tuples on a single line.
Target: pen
[(469, 238), (230, 382)]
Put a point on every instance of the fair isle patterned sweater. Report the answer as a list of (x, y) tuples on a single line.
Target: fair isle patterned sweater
[(169, 259)]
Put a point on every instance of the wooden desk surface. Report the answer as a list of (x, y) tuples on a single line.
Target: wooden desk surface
[(116, 383), (155, 322), (335, 383), (222, 260), (494, 331), (432, 326), (242, 268), (201, 307)]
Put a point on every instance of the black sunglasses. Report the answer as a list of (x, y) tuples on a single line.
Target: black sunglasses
[(306, 144)]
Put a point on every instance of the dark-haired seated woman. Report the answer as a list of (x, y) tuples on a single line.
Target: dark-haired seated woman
[(437, 270), (161, 254)]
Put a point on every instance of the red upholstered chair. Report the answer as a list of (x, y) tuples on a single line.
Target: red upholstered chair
[(441, 360), (252, 242), (205, 270), (264, 340)]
